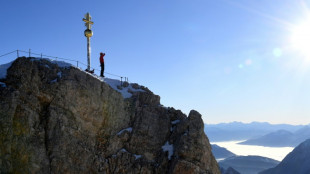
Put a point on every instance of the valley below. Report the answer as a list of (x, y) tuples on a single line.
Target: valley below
[(276, 153)]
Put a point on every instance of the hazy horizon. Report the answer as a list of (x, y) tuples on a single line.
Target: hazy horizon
[(305, 124)]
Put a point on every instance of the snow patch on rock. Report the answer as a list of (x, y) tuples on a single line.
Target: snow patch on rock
[(168, 148), (61, 64), (123, 90), (175, 122), (137, 156), (2, 84), (59, 74), (3, 69), (127, 129)]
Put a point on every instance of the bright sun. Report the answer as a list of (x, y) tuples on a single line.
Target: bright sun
[(301, 39)]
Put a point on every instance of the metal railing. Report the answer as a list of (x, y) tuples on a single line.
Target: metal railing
[(72, 62)]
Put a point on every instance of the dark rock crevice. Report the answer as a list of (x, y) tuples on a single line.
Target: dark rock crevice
[(44, 115)]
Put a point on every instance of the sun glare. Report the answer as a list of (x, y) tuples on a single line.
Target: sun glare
[(301, 39)]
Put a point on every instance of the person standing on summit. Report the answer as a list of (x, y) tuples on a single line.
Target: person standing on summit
[(102, 64)]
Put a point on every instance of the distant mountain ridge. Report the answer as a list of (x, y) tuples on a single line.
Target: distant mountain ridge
[(221, 152), (281, 138), (248, 164), (229, 170), (297, 162), (242, 131)]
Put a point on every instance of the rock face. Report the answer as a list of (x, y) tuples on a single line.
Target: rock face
[(61, 120)]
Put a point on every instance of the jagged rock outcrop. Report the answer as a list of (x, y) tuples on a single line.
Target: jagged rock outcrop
[(61, 120)]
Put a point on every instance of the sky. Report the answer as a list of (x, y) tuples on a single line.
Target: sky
[(231, 60)]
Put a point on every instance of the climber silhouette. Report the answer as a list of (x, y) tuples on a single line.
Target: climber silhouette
[(102, 64)]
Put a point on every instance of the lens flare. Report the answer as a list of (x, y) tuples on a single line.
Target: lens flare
[(277, 52), (301, 39), (248, 62)]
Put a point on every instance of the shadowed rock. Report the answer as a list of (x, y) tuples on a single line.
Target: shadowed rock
[(74, 123)]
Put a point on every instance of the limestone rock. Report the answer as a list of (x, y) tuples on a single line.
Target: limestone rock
[(61, 120)]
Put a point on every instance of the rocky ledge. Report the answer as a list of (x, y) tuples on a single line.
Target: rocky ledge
[(59, 119)]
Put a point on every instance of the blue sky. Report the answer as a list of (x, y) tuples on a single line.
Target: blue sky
[(229, 60)]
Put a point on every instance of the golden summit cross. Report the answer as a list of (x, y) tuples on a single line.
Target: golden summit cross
[(88, 33), (88, 21)]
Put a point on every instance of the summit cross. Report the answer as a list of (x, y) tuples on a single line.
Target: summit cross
[(88, 21), (88, 33)]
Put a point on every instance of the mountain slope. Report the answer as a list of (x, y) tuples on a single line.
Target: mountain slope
[(59, 119), (221, 152), (243, 131), (296, 162), (248, 164), (281, 138), (229, 170)]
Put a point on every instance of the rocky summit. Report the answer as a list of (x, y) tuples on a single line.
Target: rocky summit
[(59, 119)]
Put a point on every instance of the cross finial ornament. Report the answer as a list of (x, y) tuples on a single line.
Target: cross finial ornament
[(88, 21)]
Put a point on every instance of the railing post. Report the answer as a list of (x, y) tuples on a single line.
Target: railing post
[(29, 52), (41, 55), (17, 53), (77, 64), (121, 81)]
